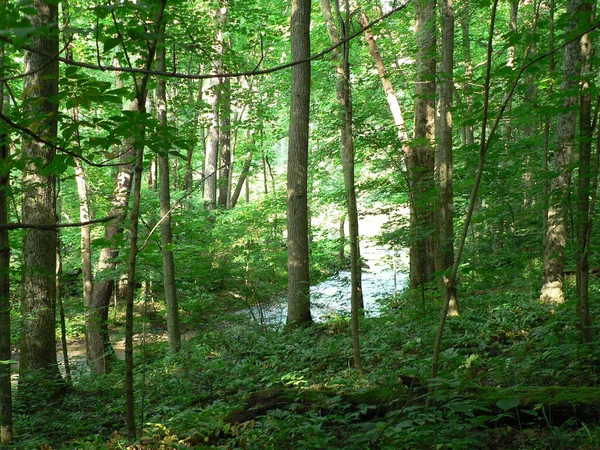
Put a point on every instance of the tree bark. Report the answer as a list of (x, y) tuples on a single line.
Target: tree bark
[(6, 421), (166, 233), (297, 169), (38, 305), (444, 166), (420, 159), (556, 232)]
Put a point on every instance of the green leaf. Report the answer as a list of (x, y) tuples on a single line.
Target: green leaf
[(508, 403)]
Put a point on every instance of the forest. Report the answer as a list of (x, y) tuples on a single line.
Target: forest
[(353, 224)]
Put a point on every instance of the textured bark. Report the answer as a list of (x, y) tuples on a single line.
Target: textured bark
[(556, 232), (344, 98), (6, 422), (444, 166), (420, 159), (38, 284), (166, 233), (297, 169)]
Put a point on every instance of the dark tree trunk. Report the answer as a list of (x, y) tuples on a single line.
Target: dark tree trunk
[(38, 282), (297, 172)]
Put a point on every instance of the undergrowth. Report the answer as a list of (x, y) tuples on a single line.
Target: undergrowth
[(308, 395)]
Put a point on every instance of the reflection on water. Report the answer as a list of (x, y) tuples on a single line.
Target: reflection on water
[(332, 296)]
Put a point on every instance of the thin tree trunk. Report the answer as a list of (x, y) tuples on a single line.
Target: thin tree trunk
[(465, 20), (38, 365), (344, 98), (584, 184), (61, 311), (297, 172), (138, 149), (199, 132), (556, 233), (6, 421), (166, 232), (390, 94), (242, 179), (446, 210), (225, 142)]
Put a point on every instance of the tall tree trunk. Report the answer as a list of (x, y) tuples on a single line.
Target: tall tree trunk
[(584, 183), (344, 98), (556, 232), (6, 421), (297, 170), (38, 304), (100, 353), (444, 167), (420, 159), (214, 100), (465, 20), (166, 234), (225, 143), (141, 86), (545, 156), (199, 134)]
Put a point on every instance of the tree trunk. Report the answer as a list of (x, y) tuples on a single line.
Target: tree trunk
[(584, 183), (390, 94), (420, 159), (100, 353), (297, 170), (240, 184), (6, 421), (344, 98), (556, 232), (444, 166), (38, 371), (225, 143), (198, 139), (465, 19), (166, 233)]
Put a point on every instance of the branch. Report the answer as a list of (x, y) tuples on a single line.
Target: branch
[(147, 71), (52, 145), (55, 227)]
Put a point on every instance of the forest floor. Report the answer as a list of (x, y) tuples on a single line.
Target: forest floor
[(514, 375)]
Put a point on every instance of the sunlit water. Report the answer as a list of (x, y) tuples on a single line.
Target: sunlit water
[(332, 296)]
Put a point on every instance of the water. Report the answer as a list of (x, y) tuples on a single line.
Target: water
[(332, 296)]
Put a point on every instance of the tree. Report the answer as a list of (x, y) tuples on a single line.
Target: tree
[(556, 232), (584, 176), (38, 284), (445, 224), (420, 159), (297, 170), (344, 98), (166, 233), (6, 421)]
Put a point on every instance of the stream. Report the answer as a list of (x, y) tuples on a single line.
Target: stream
[(331, 297)]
